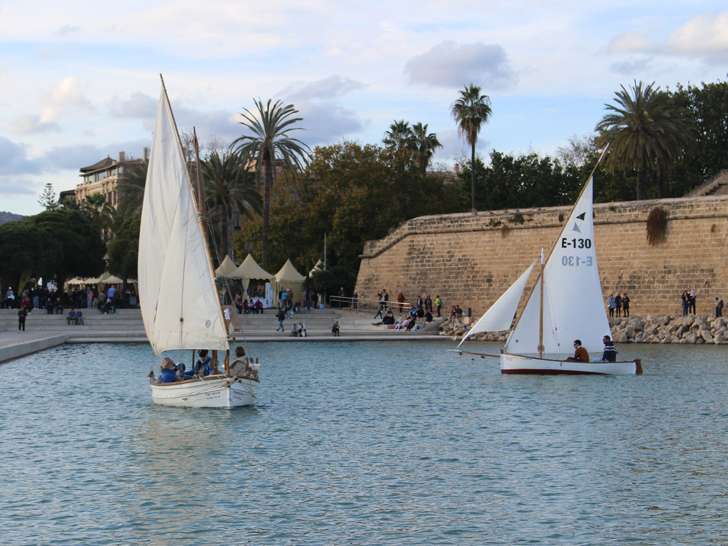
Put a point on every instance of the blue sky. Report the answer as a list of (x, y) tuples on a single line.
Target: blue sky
[(80, 81)]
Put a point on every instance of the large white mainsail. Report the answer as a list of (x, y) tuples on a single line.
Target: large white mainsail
[(500, 315), (179, 302), (573, 307)]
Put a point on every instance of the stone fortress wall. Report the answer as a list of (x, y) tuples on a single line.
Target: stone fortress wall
[(470, 259)]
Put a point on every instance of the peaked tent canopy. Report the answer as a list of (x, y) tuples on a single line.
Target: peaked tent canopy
[(288, 273), (318, 267), (250, 269), (227, 267)]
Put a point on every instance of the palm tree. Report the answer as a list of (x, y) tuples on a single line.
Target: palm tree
[(470, 111), (227, 189), (131, 186), (644, 128), (270, 141), (399, 138), (424, 146)]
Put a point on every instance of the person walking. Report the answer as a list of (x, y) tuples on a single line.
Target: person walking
[(21, 319), (281, 316)]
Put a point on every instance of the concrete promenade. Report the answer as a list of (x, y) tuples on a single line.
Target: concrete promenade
[(45, 331)]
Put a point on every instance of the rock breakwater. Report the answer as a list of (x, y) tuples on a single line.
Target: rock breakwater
[(690, 329)]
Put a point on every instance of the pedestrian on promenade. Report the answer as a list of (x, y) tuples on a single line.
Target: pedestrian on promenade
[(281, 316), (380, 308), (718, 307), (90, 298), (684, 299), (612, 304), (354, 300), (691, 300), (438, 304), (625, 304), (21, 319), (618, 304)]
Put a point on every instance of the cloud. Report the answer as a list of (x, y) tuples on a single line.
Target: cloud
[(630, 68), (326, 123), (327, 88), (703, 37), (29, 123), (450, 65), (68, 29), (138, 105), (66, 98), (14, 159)]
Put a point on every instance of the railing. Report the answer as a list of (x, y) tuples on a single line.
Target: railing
[(341, 302)]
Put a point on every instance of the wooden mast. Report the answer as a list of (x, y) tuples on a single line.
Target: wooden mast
[(540, 314)]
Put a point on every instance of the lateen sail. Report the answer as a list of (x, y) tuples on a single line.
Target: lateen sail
[(500, 315), (177, 292), (573, 307)]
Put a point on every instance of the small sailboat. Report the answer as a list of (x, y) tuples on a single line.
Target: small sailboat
[(179, 301), (565, 304)]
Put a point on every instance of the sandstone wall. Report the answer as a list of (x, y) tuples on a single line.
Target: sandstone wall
[(471, 259)]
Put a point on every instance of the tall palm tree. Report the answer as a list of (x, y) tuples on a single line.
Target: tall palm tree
[(424, 146), (470, 111), (131, 186), (227, 189), (399, 138), (271, 124), (644, 128)]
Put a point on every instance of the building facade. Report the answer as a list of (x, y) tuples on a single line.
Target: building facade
[(103, 178)]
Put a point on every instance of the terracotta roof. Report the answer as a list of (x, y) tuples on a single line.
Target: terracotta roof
[(100, 166)]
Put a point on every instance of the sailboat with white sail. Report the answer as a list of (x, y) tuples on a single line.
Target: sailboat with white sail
[(180, 306), (565, 304)]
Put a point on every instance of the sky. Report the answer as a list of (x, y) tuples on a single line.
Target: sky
[(79, 81)]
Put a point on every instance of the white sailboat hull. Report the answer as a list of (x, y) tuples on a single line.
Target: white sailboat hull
[(215, 392), (522, 364)]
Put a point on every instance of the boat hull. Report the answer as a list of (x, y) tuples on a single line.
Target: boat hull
[(216, 392), (521, 364)]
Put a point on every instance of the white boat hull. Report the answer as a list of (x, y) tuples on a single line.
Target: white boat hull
[(521, 364), (209, 392)]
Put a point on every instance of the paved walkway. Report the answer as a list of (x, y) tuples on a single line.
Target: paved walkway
[(47, 331)]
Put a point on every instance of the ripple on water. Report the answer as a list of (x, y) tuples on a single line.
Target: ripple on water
[(365, 443)]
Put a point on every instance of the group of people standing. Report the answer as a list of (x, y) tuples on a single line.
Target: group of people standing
[(688, 301), (618, 303)]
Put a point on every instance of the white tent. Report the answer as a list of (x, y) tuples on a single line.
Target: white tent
[(318, 267), (250, 269), (227, 267), (288, 277)]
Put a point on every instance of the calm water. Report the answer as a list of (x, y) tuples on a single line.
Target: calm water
[(366, 443)]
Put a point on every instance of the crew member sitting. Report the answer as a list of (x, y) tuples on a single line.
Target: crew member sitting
[(580, 353), (240, 366), (610, 352), (203, 366), (168, 374)]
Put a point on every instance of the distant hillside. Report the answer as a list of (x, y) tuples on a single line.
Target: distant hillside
[(9, 217)]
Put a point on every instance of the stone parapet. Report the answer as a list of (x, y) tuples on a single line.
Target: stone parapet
[(470, 259)]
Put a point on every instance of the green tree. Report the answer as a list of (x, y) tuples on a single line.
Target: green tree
[(131, 186), (471, 110), (83, 249), (124, 249), (424, 145), (28, 246), (271, 125), (228, 189), (398, 139), (47, 198), (644, 129)]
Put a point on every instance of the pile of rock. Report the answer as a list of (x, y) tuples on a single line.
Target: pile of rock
[(665, 329), (670, 329), (455, 331)]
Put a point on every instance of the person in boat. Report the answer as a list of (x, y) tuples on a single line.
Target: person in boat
[(240, 367), (169, 373), (203, 366), (580, 353), (335, 328), (610, 351)]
